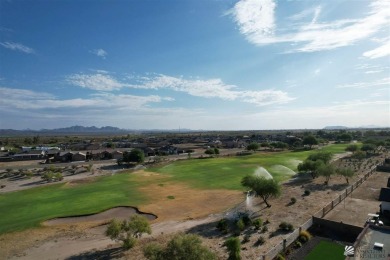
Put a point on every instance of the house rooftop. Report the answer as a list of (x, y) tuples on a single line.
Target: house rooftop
[(384, 195)]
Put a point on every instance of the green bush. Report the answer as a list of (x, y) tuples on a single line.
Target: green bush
[(307, 192), (257, 223), (234, 248), (222, 225), (286, 226), (240, 225), (293, 200), (280, 257), (297, 244)]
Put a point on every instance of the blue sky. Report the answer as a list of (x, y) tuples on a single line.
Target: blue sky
[(223, 65)]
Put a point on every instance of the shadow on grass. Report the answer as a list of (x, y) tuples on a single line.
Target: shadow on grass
[(105, 254)]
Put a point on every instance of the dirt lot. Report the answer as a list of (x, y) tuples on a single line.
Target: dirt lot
[(362, 201), (190, 210)]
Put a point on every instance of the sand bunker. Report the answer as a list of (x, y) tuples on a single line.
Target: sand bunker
[(119, 213), (262, 172), (281, 169)]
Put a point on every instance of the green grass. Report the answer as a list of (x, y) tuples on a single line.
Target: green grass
[(28, 208), (326, 250), (227, 172)]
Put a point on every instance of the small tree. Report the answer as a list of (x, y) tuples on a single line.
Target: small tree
[(352, 148), (326, 170), (264, 188), (209, 151), (216, 150), (310, 140), (346, 173), (135, 156), (310, 167), (252, 147), (233, 245), (325, 157), (128, 231)]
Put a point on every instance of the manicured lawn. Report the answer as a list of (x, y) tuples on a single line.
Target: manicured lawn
[(326, 250), (227, 172), (28, 208)]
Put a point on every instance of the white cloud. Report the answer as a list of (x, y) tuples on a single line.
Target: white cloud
[(256, 22), (211, 88), (255, 17), (27, 99), (99, 81), (379, 52), (376, 83), (17, 47), (214, 88), (100, 53)]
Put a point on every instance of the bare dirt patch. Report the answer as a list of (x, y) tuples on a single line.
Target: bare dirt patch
[(174, 201)]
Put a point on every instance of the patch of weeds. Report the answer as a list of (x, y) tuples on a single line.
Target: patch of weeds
[(171, 197)]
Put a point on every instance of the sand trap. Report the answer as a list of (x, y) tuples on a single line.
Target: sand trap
[(119, 213), (281, 169), (262, 172)]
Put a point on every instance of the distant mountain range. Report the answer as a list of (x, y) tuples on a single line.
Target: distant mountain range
[(65, 130), (84, 130), (339, 127)]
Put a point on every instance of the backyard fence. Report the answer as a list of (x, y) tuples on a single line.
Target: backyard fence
[(290, 238)]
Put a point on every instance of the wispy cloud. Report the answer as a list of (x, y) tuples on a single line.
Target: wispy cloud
[(210, 88), (17, 47), (98, 81), (215, 88), (256, 21), (376, 83), (381, 51), (100, 53), (27, 99)]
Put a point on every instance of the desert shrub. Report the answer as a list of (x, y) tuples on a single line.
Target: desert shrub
[(257, 223), (304, 236), (246, 219), (293, 200), (222, 225), (266, 222), (264, 229), (153, 251), (297, 244), (261, 240), (181, 246), (280, 257), (286, 226), (307, 192), (234, 248), (240, 225), (246, 239)]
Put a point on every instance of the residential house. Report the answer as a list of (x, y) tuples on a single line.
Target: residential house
[(384, 198), (79, 157), (116, 154)]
